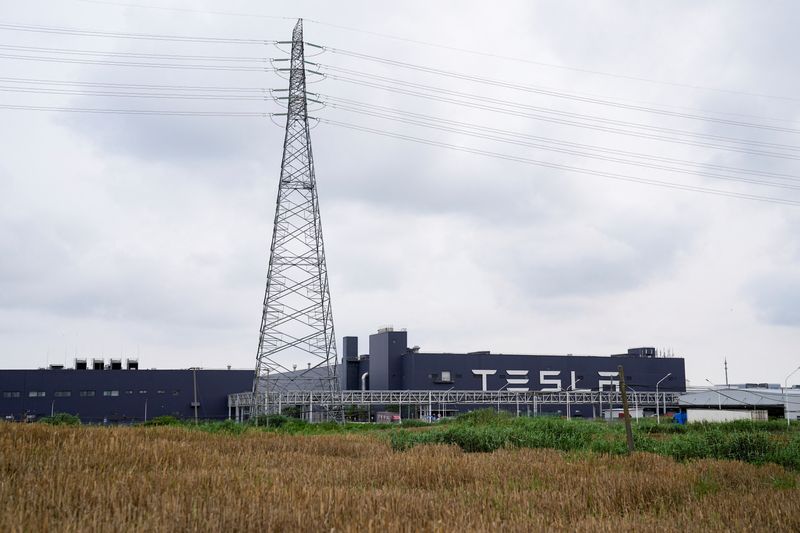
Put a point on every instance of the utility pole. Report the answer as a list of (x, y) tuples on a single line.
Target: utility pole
[(726, 372), (194, 386), (626, 415)]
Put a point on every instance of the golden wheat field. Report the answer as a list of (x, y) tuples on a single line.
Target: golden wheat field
[(174, 479)]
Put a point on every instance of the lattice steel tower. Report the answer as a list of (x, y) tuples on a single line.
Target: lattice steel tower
[(297, 344)]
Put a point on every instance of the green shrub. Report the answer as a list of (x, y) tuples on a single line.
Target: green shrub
[(413, 423), (165, 420), (482, 417), (270, 421), (61, 419)]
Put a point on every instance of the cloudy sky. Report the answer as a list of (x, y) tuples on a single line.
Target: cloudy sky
[(126, 235)]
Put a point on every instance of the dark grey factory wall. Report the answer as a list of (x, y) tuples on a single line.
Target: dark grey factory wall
[(119, 395), (386, 359), (466, 371)]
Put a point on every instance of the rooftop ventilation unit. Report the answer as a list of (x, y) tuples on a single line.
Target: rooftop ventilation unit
[(56, 367), (98, 364), (132, 364), (116, 364), (80, 364)]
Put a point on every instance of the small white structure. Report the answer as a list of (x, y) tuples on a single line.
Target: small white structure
[(787, 399), (614, 414), (724, 415)]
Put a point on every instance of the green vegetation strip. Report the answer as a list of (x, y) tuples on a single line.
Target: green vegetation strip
[(482, 431), (487, 431)]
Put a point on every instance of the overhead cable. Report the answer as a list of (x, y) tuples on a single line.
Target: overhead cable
[(568, 168), (480, 53), (508, 140), (393, 82), (559, 142), (551, 92), (101, 53), (177, 66), (139, 111), (123, 35), (583, 125)]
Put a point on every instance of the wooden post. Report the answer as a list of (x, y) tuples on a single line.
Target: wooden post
[(626, 415)]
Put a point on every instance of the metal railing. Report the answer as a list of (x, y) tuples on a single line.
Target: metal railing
[(459, 397)]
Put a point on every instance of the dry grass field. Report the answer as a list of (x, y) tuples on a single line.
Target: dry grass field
[(172, 479)]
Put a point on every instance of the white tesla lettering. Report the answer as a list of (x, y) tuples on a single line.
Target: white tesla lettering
[(544, 379), (518, 380), (574, 382), (483, 374), (549, 380), (613, 383)]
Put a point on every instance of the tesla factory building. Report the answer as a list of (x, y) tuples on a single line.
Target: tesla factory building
[(109, 393), (392, 365)]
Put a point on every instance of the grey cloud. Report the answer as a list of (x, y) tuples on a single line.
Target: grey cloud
[(574, 261), (157, 228), (190, 141), (775, 297)]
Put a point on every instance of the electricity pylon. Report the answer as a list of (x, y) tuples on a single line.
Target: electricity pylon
[(297, 322)]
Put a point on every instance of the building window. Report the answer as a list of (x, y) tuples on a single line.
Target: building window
[(128, 392), (160, 391), (87, 393), (110, 393), (62, 393), (142, 391), (445, 377), (11, 394), (36, 394), (176, 392)]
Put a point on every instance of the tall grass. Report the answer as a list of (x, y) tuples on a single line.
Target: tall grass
[(70, 479)]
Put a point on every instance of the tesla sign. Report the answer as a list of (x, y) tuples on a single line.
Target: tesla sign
[(549, 380)]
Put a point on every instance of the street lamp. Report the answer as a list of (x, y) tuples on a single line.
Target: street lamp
[(567, 391), (498, 396), (658, 411), (785, 396), (635, 402), (719, 397), (445, 403)]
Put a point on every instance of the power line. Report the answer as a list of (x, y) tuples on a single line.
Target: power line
[(133, 85), (382, 78), (28, 90), (442, 46), (100, 53), (414, 122), (507, 157), (563, 67), (550, 92), (135, 64), (428, 122), (567, 168), (188, 10), (604, 129), (124, 35), (395, 82), (570, 152), (139, 111), (559, 142)]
